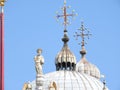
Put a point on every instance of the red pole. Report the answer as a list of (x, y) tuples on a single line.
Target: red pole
[(1, 50)]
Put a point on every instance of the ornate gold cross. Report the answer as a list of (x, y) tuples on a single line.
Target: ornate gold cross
[(65, 15), (83, 33)]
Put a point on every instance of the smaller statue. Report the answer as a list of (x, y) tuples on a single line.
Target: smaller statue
[(39, 61), (27, 86), (53, 86), (2, 2)]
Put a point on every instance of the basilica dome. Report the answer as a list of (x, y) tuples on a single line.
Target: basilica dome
[(70, 80), (69, 74)]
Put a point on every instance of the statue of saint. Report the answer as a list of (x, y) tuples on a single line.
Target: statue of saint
[(27, 86), (39, 61), (52, 86)]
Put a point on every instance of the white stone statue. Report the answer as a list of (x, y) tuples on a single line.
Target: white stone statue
[(27, 86), (52, 86), (39, 61)]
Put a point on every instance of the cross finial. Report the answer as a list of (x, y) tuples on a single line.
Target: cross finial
[(2, 2), (64, 2), (83, 33), (65, 15)]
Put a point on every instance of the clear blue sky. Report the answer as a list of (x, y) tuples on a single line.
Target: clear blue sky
[(30, 24)]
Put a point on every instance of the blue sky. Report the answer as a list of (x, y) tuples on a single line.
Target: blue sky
[(31, 24)]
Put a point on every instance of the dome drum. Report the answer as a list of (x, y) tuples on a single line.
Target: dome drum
[(65, 59), (65, 66)]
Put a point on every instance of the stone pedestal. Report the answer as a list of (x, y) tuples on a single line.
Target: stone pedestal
[(39, 82)]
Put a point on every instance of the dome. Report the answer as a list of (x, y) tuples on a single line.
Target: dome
[(65, 59), (70, 80), (67, 76), (86, 67), (65, 55)]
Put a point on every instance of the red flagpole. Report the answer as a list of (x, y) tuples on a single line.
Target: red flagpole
[(1, 49), (2, 45)]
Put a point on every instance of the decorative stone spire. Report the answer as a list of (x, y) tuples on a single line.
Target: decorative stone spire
[(65, 38), (65, 60), (83, 33), (39, 61), (83, 65)]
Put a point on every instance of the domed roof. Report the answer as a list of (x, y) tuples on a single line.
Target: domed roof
[(65, 59), (70, 80), (65, 55), (67, 77), (86, 67)]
